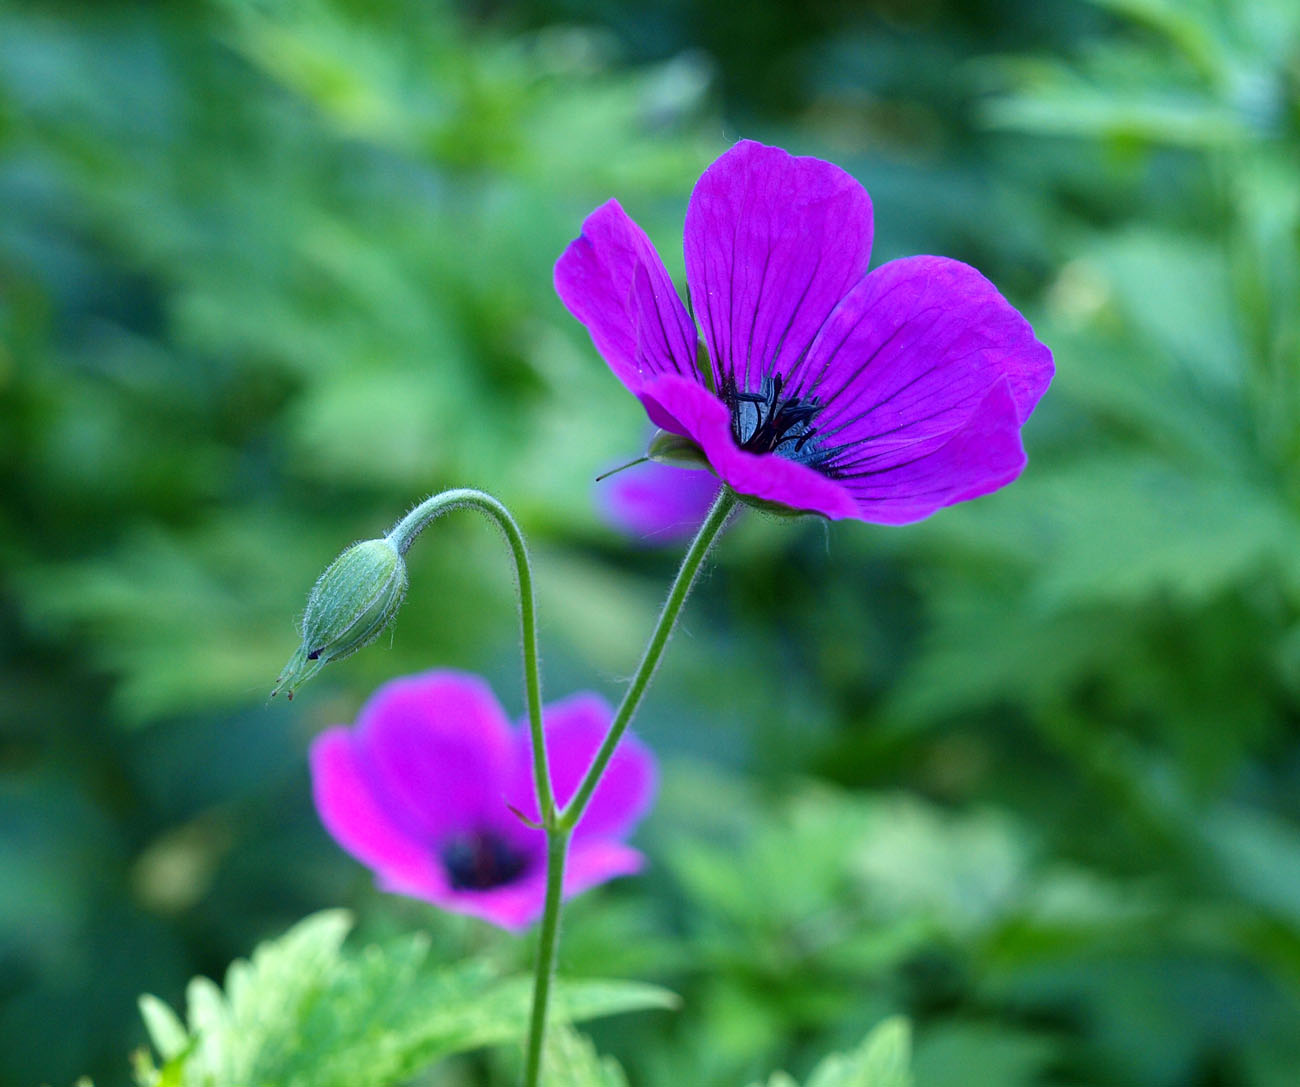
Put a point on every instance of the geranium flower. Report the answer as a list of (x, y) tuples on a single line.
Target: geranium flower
[(421, 791), (657, 503), (884, 395)]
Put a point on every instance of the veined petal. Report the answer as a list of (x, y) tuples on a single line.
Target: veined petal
[(773, 242), (612, 280), (436, 748), (687, 408), (910, 354), (981, 455)]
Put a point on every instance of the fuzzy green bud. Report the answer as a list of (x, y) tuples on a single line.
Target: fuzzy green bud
[(351, 605)]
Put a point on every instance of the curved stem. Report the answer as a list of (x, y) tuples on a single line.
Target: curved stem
[(557, 845), (403, 534), (681, 587)]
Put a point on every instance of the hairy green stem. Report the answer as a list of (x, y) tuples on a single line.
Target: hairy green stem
[(557, 845), (403, 534), (557, 835)]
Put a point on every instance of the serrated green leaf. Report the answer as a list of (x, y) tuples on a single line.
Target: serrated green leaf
[(304, 1011)]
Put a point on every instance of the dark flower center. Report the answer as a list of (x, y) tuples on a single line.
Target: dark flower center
[(767, 422), (481, 860)]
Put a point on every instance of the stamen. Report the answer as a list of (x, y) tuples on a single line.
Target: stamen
[(766, 422)]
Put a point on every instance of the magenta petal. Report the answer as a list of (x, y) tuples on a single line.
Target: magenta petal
[(574, 730), (595, 860), (983, 454), (702, 416), (911, 353), (359, 820), (517, 905), (658, 503), (435, 747), (612, 280), (513, 905), (773, 242)]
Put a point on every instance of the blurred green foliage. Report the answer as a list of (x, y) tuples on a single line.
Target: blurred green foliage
[(1028, 772)]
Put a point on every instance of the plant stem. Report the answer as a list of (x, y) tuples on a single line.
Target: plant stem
[(557, 833), (557, 845), (403, 534), (681, 587)]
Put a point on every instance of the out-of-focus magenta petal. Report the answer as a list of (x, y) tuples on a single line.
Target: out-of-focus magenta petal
[(657, 503), (595, 860), (910, 354), (512, 906), (704, 418), (435, 747), (612, 280), (983, 454), (574, 730), (517, 905), (773, 242), (359, 819), (421, 792)]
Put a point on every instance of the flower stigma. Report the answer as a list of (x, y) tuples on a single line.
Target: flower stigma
[(767, 422)]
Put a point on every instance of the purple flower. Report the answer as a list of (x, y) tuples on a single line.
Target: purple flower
[(420, 791), (883, 396), (657, 503)]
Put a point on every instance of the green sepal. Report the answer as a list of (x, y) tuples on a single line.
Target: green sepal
[(775, 507), (676, 449), (353, 603)]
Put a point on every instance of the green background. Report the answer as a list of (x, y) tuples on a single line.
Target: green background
[(1028, 772)]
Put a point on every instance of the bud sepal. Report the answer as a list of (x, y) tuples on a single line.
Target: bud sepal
[(354, 601)]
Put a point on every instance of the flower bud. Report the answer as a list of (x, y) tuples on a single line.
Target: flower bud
[(351, 605)]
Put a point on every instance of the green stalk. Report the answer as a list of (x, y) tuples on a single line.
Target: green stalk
[(403, 535), (557, 845), (557, 834), (557, 824)]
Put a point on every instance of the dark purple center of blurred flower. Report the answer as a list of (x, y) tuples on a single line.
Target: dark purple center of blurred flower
[(767, 422), (481, 860)]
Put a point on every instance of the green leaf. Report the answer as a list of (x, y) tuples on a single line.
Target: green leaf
[(166, 1031), (306, 1012), (882, 1060), (572, 1061)]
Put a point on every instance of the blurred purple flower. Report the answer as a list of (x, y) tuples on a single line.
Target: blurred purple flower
[(420, 791), (882, 396), (657, 503)]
